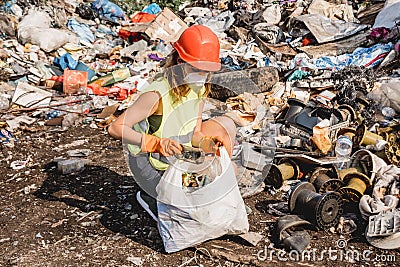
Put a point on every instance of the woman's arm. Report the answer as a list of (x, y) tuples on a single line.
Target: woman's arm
[(144, 106), (197, 135), (213, 133)]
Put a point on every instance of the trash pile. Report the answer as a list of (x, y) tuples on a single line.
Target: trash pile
[(321, 110)]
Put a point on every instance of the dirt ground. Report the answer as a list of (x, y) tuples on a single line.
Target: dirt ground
[(93, 219)]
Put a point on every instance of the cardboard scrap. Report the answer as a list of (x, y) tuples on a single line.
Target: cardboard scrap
[(108, 111), (27, 95), (252, 237), (336, 48), (321, 136), (14, 123), (167, 26)]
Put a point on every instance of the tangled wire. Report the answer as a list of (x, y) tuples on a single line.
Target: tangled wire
[(353, 84)]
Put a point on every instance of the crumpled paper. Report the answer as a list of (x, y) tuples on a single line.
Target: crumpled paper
[(321, 136)]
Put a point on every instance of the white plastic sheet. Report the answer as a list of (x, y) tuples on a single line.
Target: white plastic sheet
[(335, 12), (187, 219), (327, 30), (35, 29), (389, 14), (387, 93)]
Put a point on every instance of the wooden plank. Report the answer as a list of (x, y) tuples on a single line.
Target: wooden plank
[(336, 48), (368, 15)]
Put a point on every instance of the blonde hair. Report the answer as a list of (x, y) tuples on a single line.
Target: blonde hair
[(174, 74)]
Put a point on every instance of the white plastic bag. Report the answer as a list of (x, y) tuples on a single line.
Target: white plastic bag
[(35, 28), (187, 219), (387, 93), (388, 16)]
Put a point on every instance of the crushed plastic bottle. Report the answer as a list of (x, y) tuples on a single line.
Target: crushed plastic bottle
[(343, 148), (164, 49)]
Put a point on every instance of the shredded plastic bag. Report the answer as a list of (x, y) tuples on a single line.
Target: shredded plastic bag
[(108, 9), (387, 94), (187, 218), (82, 30), (47, 39)]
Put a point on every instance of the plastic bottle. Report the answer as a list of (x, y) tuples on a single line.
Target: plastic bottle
[(161, 47), (343, 148)]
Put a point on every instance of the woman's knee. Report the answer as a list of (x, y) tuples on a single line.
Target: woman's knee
[(230, 125), (219, 126), (223, 127)]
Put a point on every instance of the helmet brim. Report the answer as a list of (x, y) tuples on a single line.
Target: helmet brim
[(202, 65), (206, 66)]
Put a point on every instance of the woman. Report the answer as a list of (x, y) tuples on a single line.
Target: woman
[(167, 114)]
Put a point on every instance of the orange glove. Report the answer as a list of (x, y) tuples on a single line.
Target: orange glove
[(164, 146), (210, 144)]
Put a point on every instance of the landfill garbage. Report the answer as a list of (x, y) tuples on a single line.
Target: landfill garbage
[(322, 28), (7, 25), (219, 23), (27, 95), (371, 206), (19, 164), (343, 11), (35, 29), (326, 179), (82, 30), (74, 81), (167, 26), (290, 231), (7, 138), (71, 165), (323, 210), (387, 17), (108, 9), (382, 230), (15, 123)]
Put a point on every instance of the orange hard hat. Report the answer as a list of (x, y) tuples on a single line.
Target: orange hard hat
[(199, 46)]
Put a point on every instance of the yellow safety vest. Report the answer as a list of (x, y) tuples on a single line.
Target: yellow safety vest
[(178, 119)]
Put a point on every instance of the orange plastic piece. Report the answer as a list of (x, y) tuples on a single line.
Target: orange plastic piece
[(143, 17), (74, 81)]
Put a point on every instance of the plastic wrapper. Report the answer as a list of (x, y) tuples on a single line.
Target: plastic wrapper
[(387, 94), (35, 28), (108, 9), (74, 81)]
